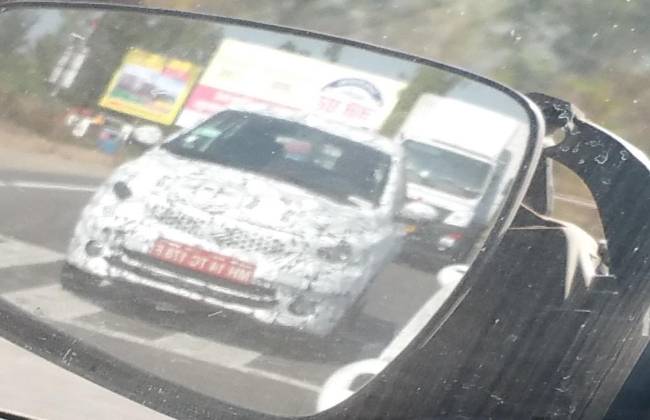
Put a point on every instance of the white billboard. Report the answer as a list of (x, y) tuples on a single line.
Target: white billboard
[(244, 74)]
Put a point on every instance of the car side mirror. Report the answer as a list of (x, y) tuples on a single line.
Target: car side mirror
[(417, 211)]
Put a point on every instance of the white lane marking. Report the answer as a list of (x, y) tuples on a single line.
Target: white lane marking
[(211, 352), (280, 378), (48, 186), (206, 350), (16, 253), (576, 200), (645, 331), (422, 317), (51, 303)]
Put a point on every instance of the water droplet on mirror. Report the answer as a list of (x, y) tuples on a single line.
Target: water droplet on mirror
[(601, 158)]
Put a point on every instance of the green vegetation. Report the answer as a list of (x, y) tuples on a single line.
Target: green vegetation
[(29, 56), (594, 53)]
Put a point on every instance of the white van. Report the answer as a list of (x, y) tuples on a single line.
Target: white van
[(457, 160)]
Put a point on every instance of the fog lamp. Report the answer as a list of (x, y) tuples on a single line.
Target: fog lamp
[(302, 306), (94, 248)]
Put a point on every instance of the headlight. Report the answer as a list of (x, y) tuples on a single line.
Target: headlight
[(339, 253), (449, 241), (121, 190), (459, 219), (94, 248)]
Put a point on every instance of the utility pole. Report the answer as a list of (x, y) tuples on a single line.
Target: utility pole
[(69, 65), (67, 69)]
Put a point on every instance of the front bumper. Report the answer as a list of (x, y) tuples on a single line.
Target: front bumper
[(318, 313), (429, 248), (291, 287)]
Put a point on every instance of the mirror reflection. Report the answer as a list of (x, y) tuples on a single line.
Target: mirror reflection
[(261, 217)]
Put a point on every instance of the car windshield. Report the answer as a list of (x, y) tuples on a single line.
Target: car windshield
[(338, 168), (444, 170)]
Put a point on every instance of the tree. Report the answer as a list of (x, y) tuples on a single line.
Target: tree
[(426, 81), (15, 27), (333, 52), (117, 32), (291, 47), (14, 30)]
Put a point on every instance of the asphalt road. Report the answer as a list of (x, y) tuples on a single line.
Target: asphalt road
[(226, 357)]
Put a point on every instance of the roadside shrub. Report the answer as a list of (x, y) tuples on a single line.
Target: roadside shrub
[(43, 116)]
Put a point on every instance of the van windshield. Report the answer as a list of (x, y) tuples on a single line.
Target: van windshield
[(445, 171)]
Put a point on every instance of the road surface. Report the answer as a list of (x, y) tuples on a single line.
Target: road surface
[(229, 358)]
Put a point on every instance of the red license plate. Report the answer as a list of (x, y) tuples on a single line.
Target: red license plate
[(202, 261)]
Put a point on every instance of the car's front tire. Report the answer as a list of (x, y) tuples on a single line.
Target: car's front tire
[(76, 280)]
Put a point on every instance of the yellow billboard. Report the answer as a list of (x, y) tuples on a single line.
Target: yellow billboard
[(150, 86)]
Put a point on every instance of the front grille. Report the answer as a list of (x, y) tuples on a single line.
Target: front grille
[(225, 236), (222, 289), (246, 241), (178, 220)]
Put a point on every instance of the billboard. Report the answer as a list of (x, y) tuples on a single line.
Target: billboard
[(150, 86), (247, 74)]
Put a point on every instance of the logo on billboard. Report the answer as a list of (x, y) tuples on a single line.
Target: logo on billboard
[(361, 86)]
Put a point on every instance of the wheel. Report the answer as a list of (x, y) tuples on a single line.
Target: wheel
[(350, 319), (355, 311), (75, 280)]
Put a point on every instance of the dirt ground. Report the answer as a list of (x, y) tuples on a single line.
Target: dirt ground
[(21, 149)]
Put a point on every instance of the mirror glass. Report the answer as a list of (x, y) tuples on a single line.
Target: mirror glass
[(297, 206)]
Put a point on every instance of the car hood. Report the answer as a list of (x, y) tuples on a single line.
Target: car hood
[(208, 190)]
